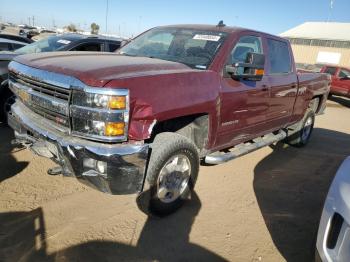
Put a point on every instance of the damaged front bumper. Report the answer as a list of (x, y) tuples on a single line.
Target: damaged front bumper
[(111, 168)]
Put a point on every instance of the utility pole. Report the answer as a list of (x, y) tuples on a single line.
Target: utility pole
[(330, 10), (29, 21), (33, 19), (106, 16)]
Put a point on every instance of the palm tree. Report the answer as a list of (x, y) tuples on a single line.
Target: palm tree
[(94, 28)]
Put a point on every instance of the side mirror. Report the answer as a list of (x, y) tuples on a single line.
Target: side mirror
[(252, 69)]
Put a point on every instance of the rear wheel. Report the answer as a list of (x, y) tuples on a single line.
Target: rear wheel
[(172, 172)]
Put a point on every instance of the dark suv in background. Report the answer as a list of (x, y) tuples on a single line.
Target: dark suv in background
[(65, 42)]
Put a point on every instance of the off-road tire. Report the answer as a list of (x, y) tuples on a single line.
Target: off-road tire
[(164, 147)]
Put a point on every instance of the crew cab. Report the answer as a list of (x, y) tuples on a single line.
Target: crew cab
[(143, 119), (340, 83)]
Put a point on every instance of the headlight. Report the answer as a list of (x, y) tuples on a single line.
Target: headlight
[(117, 102), (101, 114)]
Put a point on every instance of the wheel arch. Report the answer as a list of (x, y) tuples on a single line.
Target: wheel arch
[(195, 127)]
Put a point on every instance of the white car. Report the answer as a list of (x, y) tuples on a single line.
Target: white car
[(333, 238)]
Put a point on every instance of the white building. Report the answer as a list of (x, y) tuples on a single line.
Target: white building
[(320, 43)]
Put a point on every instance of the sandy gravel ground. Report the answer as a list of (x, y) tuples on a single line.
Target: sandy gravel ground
[(264, 206)]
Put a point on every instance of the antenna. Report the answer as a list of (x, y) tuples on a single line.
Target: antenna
[(221, 24)]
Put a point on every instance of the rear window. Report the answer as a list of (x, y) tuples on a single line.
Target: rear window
[(279, 57), (330, 70)]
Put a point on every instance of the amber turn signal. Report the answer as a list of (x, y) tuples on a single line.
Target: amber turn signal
[(259, 72), (114, 129), (117, 102)]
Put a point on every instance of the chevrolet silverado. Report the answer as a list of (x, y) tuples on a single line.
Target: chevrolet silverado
[(144, 118)]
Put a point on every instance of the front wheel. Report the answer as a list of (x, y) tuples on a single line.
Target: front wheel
[(172, 172)]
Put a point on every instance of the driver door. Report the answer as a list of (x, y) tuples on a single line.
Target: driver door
[(244, 103)]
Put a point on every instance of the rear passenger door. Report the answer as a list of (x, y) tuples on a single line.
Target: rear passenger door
[(283, 82)]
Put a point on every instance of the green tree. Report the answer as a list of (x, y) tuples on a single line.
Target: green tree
[(94, 28), (71, 28)]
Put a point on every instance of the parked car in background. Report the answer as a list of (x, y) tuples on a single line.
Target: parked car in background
[(17, 38), (65, 42), (333, 238), (340, 83), (142, 119), (10, 45)]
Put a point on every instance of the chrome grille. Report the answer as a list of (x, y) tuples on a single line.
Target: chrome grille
[(47, 100), (41, 87)]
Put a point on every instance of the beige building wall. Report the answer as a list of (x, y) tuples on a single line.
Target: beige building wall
[(308, 54)]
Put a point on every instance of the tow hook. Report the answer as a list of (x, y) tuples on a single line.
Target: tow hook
[(54, 171)]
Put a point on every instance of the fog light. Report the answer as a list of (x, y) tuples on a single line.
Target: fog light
[(93, 164), (89, 163), (114, 129), (101, 166)]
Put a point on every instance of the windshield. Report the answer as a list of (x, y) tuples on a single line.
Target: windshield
[(195, 48), (51, 43)]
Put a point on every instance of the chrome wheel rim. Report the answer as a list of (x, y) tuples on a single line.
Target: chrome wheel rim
[(307, 129), (173, 178)]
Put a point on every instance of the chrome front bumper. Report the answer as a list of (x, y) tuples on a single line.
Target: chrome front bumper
[(125, 163)]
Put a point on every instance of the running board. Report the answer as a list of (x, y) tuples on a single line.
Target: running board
[(245, 148)]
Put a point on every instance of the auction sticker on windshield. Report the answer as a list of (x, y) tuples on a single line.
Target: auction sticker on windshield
[(63, 41), (214, 38)]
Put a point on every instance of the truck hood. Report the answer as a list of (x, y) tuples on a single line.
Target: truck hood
[(97, 69)]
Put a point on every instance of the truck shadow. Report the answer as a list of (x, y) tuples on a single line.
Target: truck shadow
[(8, 164), (291, 185), (24, 238)]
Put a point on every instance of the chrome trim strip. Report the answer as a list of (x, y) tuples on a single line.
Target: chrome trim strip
[(97, 114)]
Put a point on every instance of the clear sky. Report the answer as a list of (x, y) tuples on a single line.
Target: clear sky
[(134, 16)]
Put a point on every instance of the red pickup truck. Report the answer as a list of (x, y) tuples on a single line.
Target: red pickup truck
[(142, 119), (340, 83)]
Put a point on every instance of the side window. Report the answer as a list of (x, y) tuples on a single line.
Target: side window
[(245, 45), (330, 70), (113, 47), (88, 47), (344, 73), (4, 47), (16, 46), (279, 57)]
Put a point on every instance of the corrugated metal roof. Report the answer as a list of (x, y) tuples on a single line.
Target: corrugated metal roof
[(320, 30)]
